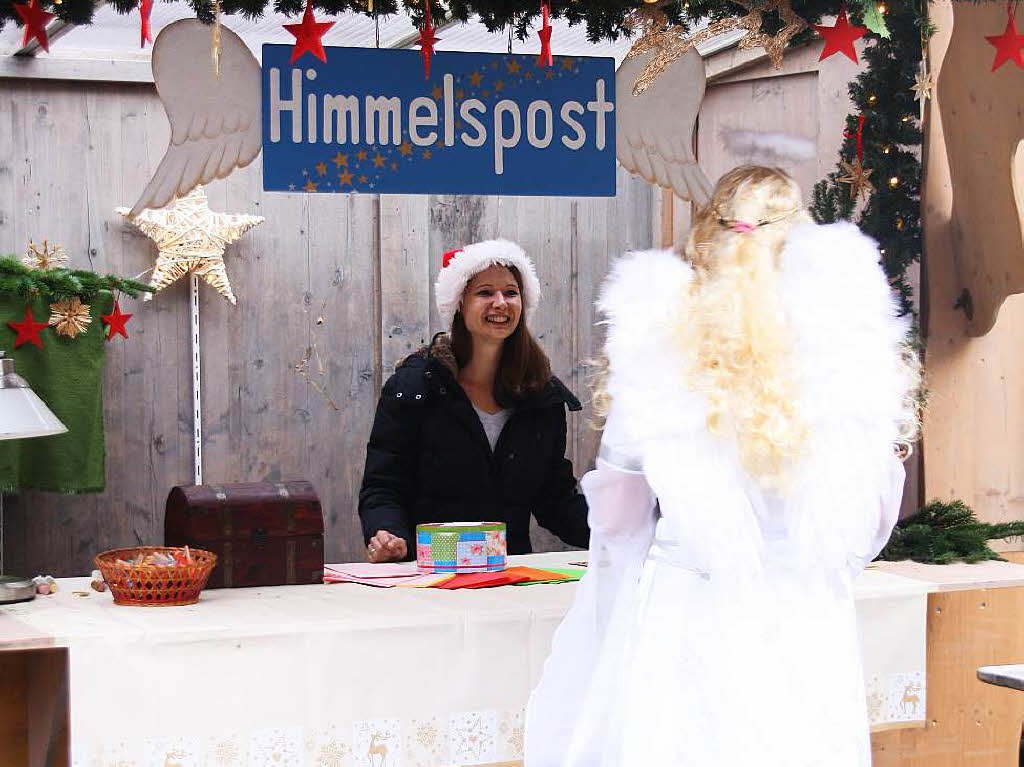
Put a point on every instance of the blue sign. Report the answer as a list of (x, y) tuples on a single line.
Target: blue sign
[(368, 121)]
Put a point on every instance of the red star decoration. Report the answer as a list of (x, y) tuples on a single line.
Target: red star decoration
[(841, 37), (116, 322), (34, 19), (27, 330), (1009, 45), (308, 34), (546, 59), (145, 9), (427, 41)]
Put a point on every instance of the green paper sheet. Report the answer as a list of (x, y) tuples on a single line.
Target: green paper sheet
[(574, 574)]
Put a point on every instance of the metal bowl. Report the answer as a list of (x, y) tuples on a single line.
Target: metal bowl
[(14, 589)]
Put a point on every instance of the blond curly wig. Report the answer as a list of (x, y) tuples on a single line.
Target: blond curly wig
[(736, 332)]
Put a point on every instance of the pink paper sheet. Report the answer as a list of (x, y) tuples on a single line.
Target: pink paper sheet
[(384, 574)]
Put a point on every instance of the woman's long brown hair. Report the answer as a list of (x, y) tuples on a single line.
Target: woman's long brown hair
[(524, 367)]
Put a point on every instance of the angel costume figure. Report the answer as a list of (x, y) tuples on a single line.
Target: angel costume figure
[(746, 475)]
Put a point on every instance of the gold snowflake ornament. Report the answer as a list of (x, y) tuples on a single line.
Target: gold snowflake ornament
[(667, 43), (191, 238), (856, 175), (47, 257), (69, 318)]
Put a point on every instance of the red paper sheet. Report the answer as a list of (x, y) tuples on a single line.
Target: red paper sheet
[(480, 580)]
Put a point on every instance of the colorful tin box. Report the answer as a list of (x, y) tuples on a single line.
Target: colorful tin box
[(461, 547)]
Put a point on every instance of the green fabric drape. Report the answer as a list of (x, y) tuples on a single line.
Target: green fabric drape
[(68, 376)]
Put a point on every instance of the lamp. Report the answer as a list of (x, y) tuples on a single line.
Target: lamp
[(22, 415)]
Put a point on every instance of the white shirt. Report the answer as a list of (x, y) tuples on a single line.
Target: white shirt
[(493, 423)]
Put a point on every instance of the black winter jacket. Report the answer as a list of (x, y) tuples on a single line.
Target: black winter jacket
[(428, 459)]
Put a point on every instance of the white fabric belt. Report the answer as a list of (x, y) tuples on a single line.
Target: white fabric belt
[(667, 552)]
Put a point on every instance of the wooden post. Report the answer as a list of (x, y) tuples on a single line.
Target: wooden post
[(974, 421), (667, 236), (197, 380)]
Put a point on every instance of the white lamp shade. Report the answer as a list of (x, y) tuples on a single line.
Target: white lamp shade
[(23, 414)]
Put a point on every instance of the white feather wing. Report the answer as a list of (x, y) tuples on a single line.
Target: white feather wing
[(654, 131), (849, 337), (215, 121)]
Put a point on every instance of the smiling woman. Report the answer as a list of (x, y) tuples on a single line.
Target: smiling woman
[(472, 427)]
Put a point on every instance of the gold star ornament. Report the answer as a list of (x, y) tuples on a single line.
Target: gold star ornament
[(923, 86), (69, 318), (191, 238), (856, 175)]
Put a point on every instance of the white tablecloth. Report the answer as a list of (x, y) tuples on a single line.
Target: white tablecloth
[(351, 676)]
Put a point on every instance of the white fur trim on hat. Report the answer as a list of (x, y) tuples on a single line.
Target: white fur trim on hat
[(472, 259)]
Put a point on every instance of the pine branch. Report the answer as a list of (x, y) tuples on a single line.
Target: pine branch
[(941, 533), (62, 284)]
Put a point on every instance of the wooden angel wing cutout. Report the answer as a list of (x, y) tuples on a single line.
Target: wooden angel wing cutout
[(215, 121)]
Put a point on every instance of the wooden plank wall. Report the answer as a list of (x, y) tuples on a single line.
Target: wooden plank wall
[(72, 152)]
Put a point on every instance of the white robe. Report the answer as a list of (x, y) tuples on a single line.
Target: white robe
[(716, 625)]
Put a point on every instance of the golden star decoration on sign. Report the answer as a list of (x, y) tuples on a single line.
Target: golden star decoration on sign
[(191, 238)]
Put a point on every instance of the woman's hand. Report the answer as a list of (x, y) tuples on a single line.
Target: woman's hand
[(385, 547)]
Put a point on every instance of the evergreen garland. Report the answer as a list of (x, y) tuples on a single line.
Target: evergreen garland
[(941, 533), (604, 19), (62, 284)]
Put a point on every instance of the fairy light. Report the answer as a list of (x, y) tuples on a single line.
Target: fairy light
[(894, 181)]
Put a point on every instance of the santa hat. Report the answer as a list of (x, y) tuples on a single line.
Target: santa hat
[(460, 266)]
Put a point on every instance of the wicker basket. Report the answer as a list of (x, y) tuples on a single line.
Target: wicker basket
[(155, 585)]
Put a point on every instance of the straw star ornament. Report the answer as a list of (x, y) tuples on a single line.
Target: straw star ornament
[(49, 256), (69, 318), (191, 238), (856, 175)]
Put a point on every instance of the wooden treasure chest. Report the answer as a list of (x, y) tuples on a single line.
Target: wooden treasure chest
[(263, 533)]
